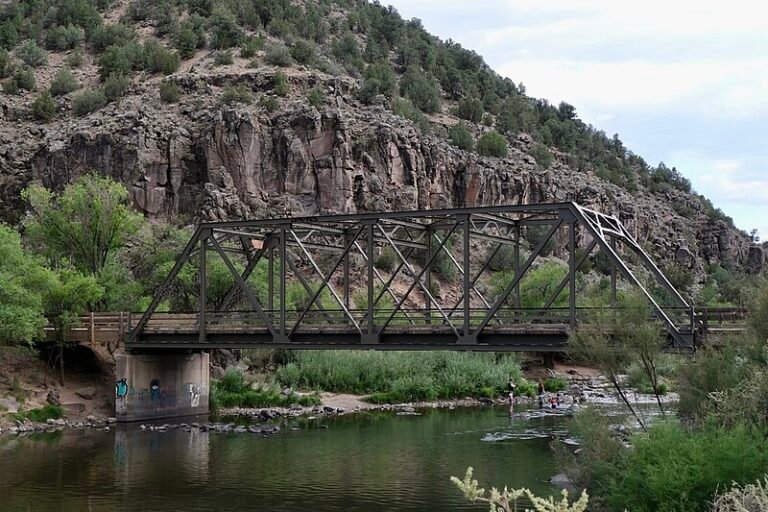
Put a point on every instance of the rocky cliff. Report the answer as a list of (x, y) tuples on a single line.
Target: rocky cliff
[(200, 160)]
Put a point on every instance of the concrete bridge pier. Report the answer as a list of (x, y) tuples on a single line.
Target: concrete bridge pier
[(154, 385)]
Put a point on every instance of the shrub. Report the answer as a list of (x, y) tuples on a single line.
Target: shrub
[(105, 36), (63, 83), (316, 97), (492, 144), (347, 51), (377, 79), (278, 55), (250, 46), (121, 60), (190, 36), (159, 59), (169, 92), (6, 65), (11, 87), (25, 79), (81, 13), (88, 101), (303, 51), (542, 155), (280, 84), (421, 90), (404, 108), (64, 37), (75, 59), (40, 415), (44, 108), (461, 137), (234, 94), (116, 86), (223, 58), (471, 109), (555, 384), (387, 260), (32, 55), (503, 259), (269, 103), (225, 32)]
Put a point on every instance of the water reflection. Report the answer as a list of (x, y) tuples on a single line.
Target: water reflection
[(370, 462)]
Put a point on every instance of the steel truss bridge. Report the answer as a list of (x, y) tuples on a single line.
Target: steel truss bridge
[(351, 303)]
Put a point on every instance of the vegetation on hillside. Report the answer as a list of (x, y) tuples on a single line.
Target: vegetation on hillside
[(415, 73)]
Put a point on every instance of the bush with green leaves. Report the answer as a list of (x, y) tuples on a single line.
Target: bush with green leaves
[(111, 34), (347, 51), (471, 109), (44, 108), (316, 97), (75, 59), (387, 260), (116, 86), (25, 79), (278, 55), (250, 46), (269, 103), (303, 51), (223, 58), (461, 137), (492, 144), (234, 94), (423, 92), (280, 84), (235, 390), (542, 155), (88, 101), (63, 38), (190, 36), (402, 376), (32, 55), (377, 79), (169, 91), (404, 108), (7, 66), (63, 83), (40, 415), (225, 31), (121, 60), (158, 59)]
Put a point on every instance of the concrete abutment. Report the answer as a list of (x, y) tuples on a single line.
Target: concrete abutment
[(152, 386)]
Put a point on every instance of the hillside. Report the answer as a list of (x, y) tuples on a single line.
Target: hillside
[(225, 109)]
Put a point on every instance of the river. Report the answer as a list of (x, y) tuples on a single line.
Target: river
[(372, 462)]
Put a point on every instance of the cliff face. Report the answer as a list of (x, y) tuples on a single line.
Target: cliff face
[(200, 161)]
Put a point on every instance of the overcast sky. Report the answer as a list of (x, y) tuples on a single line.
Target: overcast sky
[(681, 82)]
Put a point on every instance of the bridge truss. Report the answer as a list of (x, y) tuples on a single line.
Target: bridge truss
[(349, 302)]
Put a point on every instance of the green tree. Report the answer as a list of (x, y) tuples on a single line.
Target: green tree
[(44, 108), (421, 90), (85, 224), (63, 83), (225, 32), (24, 281), (461, 137), (492, 144), (88, 101), (69, 295), (471, 109), (169, 91), (377, 79), (32, 55), (281, 86)]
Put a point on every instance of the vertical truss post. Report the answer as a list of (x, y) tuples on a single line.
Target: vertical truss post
[(613, 276), (283, 255), (202, 299), (370, 336), (428, 274), (572, 272), (467, 283), (347, 242), (517, 264), (271, 280)]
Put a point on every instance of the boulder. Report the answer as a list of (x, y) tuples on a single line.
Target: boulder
[(86, 393), (9, 404)]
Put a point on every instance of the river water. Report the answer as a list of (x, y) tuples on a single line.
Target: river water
[(368, 462)]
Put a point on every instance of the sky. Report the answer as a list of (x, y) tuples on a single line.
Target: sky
[(683, 82)]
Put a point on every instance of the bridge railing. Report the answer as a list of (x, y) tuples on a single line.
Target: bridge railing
[(353, 319)]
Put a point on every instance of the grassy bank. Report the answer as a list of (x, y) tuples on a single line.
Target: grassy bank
[(389, 377), (234, 389)]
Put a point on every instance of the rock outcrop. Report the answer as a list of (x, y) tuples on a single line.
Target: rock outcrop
[(200, 161)]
